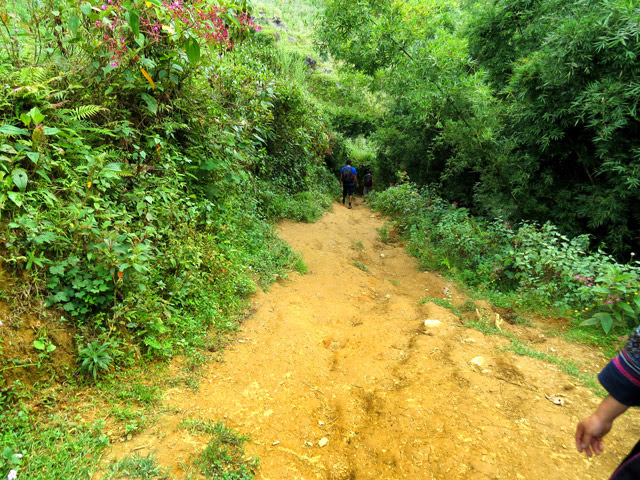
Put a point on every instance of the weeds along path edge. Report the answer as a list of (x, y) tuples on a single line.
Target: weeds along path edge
[(345, 373)]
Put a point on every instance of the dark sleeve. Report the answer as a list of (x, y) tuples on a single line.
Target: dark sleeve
[(621, 376)]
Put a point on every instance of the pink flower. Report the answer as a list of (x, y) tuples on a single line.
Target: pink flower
[(114, 64), (104, 7)]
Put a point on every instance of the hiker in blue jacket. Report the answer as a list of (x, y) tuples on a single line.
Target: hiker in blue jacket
[(621, 379), (348, 181)]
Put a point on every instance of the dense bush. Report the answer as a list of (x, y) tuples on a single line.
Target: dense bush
[(533, 260), (138, 197), (525, 110)]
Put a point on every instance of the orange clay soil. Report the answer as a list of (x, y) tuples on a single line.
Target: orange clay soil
[(336, 376)]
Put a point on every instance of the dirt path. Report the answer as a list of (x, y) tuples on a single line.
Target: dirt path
[(342, 357)]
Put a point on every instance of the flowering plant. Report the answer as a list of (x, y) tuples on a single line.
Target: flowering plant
[(10, 460), (616, 299), (162, 37)]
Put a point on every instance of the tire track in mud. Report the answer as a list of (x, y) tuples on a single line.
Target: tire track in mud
[(335, 376)]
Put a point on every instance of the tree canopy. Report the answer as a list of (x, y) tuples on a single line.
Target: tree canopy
[(523, 109)]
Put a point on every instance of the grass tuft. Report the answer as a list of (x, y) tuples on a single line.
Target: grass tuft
[(136, 467)]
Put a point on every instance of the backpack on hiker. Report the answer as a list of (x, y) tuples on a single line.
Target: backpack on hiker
[(347, 174), (368, 180)]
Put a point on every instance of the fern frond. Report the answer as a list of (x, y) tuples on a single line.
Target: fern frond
[(35, 75), (83, 111)]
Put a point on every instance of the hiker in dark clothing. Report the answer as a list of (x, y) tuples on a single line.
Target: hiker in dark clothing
[(621, 379), (368, 183), (348, 181)]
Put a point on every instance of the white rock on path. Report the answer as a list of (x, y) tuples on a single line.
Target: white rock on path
[(432, 323), (478, 361)]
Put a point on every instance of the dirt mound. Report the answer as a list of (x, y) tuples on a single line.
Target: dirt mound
[(23, 324), (344, 373)]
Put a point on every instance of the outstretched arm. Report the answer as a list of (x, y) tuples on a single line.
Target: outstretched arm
[(592, 429)]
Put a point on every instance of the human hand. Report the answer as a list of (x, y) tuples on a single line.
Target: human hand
[(589, 434), (591, 430)]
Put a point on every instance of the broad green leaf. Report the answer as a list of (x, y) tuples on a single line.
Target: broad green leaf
[(56, 270), (61, 297), (115, 166), (602, 290), (38, 345), (193, 50), (6, 148), (50, 348), (26, 119), (35, 114), (11, 130), (33, 156), (232, 19), (20, 179), (152, 104), (15, 197), (74, 23), (51, 131), (157, 3), (44, 238), (134, 22), (590, 321), (86, 8), (626, 308)]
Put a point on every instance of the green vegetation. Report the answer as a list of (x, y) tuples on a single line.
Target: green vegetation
[(136, 467), (443, 303), (385, 234), (146, 149), (138, 198), (464, 90), (361, 266), (224, 457), (518, 347), (528, 265), (567, 366), (67, 446)]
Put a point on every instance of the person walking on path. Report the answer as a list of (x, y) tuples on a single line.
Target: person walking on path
[(348, 181), (621, 379), (368, 182)]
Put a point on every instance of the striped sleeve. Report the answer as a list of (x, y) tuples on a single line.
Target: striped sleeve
[(621, 376)]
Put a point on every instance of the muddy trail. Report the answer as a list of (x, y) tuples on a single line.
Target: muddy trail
[(336, 375)]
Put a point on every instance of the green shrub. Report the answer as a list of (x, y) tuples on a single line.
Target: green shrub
[(535, 261), (96, 358)]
